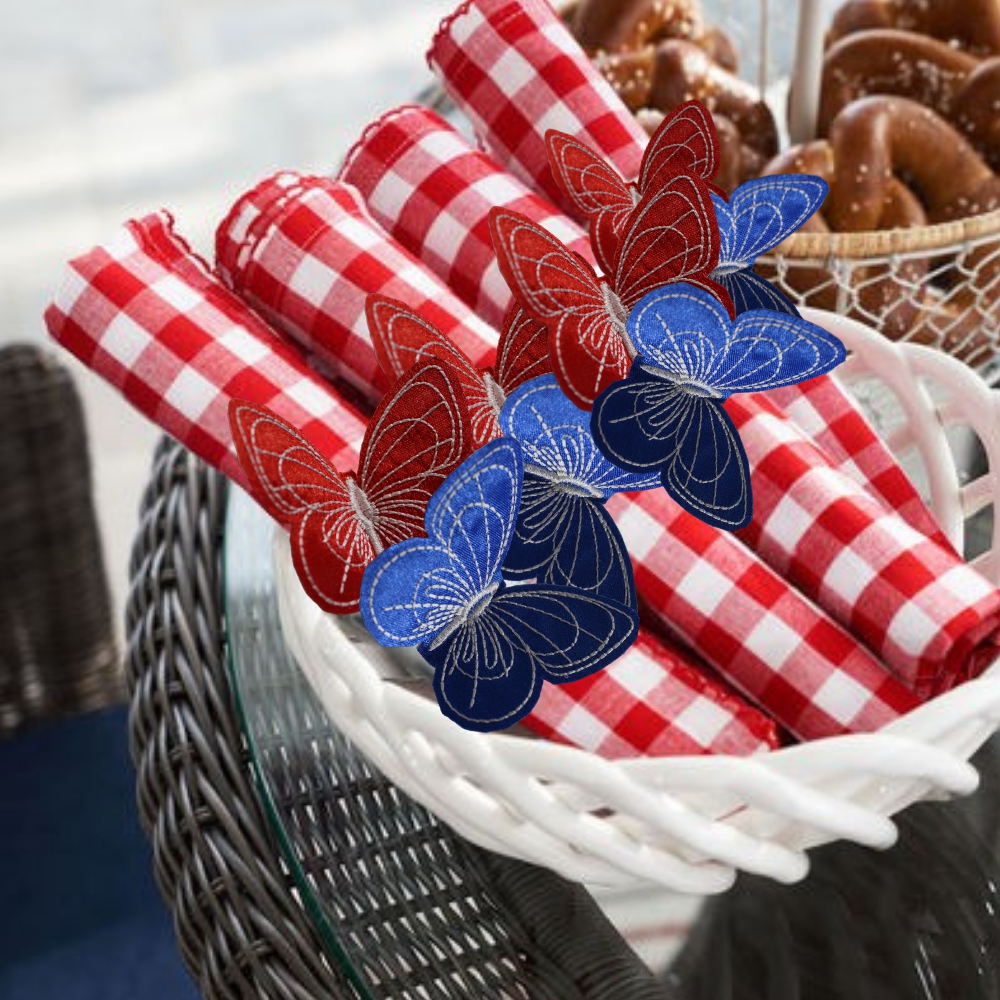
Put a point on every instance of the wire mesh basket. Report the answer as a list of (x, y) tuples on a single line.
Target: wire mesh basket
[(936, 285)]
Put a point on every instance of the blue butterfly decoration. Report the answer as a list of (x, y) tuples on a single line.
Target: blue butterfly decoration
[(564, 534), (759, 215), (668, 416), (491, 647)]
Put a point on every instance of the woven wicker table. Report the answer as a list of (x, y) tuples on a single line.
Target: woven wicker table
[(295, 870)]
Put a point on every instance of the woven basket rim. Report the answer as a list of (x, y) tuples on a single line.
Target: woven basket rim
[(886, 242)]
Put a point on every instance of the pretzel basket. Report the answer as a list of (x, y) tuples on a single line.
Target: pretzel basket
[(690, 823)]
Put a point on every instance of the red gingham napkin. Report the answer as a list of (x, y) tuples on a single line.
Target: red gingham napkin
[(927, 614), (144, 313), (305, 253), (830, 417), (651, 702), (851, 688), (513, 69), (760, 633), (432, 191)]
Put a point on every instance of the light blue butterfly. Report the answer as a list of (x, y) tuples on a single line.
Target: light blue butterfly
[(491, 647), (759, 215), (668, 415), (564, 534)]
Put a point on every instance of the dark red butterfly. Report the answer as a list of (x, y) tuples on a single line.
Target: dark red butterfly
[(418, 435), (686, 143), (671, 235), (402, 338)]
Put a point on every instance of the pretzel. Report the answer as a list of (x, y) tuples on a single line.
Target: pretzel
[(876, 290), (615, 26), (976, 111), (876, 137), (888, 61), (971, 25)]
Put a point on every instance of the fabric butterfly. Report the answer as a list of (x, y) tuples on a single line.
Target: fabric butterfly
[(564, 534), (668, 415), (491, 647), (671, 235), (685, 143), (759, 215), (402, 338), (418, 435)]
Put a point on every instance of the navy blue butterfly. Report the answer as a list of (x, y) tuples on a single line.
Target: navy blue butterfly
[(668, 414), (564, 534), (759, 215), (490, 647)]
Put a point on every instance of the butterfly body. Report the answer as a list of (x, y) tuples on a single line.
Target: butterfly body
[(491, 646), (669, 416)]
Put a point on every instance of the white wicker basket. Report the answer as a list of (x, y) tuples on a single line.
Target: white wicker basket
[(687, 823)]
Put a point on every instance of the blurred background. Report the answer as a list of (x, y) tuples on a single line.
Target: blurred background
[(114, 108)]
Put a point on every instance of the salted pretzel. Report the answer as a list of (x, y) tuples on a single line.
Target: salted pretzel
[(889, 61), (675, 71), (971, 25), (616, 26), (875, 290)]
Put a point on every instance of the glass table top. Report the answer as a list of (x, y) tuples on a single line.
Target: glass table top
[(409, 909)]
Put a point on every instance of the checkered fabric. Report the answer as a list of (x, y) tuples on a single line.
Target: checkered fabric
[(651, 702), (514, 71), (432, 191), (305, 253), (920, 608), (761, 634), (145, 314), (830, 417), (858, 692)]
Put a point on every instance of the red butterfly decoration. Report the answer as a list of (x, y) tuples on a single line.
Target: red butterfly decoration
[(671, 235), (417, 436), (686, 143), (402, 338)]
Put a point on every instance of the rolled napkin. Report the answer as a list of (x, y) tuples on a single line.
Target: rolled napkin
[(513, 69), (652, 702), (915, 603), (761, 634), (305, 253), (146, 315), (832, 419), (431, 190)]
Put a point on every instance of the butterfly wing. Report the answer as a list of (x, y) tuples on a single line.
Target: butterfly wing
[(763, 212), (767, 350), (686, 142), (682, 330), (489, 674), (556, 440), (473, 513), (418, 435), (412, 591), (672, 235), (595, 190), (523, 351), (749, 290), (403, 339), (559, 288), (569, 541), (648, 422), (297, 486)]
